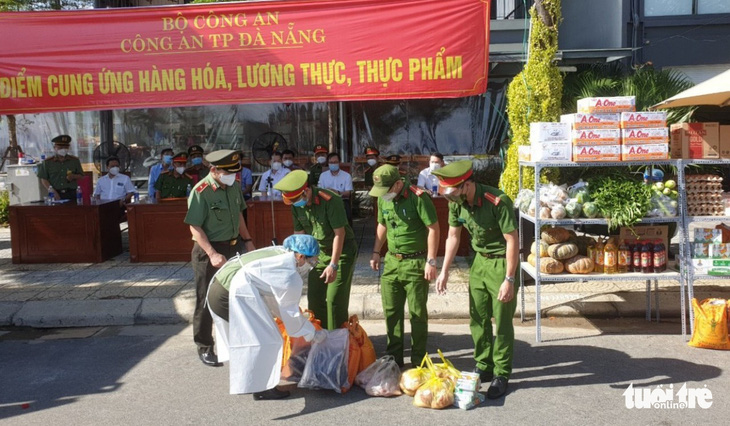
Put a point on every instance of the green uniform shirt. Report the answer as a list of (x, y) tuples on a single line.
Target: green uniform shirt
[(369, 176), (487, 221), (406, 219), (216, 209), (322, 217), (314, 173), (55, 170), (199, 171), (171, 186), (228, 271)]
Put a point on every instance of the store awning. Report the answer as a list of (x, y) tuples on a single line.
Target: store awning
[(715, 91)]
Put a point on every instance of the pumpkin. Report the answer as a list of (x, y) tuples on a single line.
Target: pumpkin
[(543, 249), (548, 265), (531, 259), (579, 265), (555, 235), (562, 251)]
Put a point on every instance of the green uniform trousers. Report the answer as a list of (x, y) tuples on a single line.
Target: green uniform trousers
[(491, 352), (403, 280), (331, 302)]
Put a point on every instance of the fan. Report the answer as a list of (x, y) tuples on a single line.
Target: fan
[(264, 145), (102, 152)]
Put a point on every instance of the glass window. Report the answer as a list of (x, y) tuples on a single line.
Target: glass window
[(669, 7), (713, 6)]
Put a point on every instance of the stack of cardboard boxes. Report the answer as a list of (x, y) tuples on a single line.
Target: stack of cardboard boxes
[(700, 141), (711, 252)]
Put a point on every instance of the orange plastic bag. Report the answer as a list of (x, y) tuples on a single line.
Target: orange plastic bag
[(367, 350), (288, 340), (353, 361), (710, 327)]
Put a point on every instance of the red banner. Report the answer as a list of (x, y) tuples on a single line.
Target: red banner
[(226, 53)]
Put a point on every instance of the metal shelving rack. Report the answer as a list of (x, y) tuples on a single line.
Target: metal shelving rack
[(539, 277), (689, 274)]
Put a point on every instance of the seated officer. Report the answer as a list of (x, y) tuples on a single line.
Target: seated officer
[(320, 165), (62, 170), (175, 183), (114, 185), (371, 155), (394, 160), (198, 170)]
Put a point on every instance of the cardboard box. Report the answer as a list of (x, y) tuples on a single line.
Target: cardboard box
[(697, 140), (675, 142), (644, 152), (708, 235), (524, 153), (605, 105), (646, 232), (719, 251), (635, 120), (551, 151), (596, 153), (645, 136), (594, 137), (549, 132), (701, 250), (711, 266), (724, 141), (591, 121)]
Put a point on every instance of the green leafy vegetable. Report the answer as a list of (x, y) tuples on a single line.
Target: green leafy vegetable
[(621, 200)]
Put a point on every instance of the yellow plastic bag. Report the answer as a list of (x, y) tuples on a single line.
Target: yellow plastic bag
[(414, 378), (437, 392), (710, 327), (446, 369)]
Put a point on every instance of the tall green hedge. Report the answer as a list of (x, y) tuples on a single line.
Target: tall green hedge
[(4, 207)]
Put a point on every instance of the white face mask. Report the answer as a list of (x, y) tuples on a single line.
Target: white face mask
[(288, 163), (434, 166), (389, 196), (372, 162), (275, 166), (62, 152), (114, 171), (321, 160), (180, 170), (228, 179)]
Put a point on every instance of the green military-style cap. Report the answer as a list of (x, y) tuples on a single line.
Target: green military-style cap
[(454, 174), (383, 178), (292, 185), (393, 159), (225, 159), (62, 140)]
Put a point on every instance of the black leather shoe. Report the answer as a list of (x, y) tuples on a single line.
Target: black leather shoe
[(484, 376), (273, 393), (209, 358), (498, 387)]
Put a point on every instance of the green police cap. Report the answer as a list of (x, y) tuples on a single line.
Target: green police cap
[(393, 159), (383, 178), (225, 159), (195, 149), (292, 185), (454, 174), (62, 140)]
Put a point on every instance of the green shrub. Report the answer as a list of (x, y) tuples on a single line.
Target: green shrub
[(4, 207)]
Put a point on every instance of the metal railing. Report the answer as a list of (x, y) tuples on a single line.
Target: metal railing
[(510, 9)]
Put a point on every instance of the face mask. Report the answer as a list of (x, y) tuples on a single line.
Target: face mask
[(334, 167), (167, 159), (321, 160), (300, 203), (389, 196), (62, 152), (304, 269), (372, 162), (197, 161), (434, 166), (114, 171), (227, 179), (275, 166), (180, 170), (288, 163), (450, 195)]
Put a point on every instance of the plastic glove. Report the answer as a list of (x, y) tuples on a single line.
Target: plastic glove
[(319, 336)]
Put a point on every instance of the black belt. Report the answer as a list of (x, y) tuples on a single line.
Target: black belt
[(226, 242), (401, 256), (66, 191), (493, 256)]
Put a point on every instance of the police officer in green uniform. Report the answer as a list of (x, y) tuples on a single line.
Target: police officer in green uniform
[(174, 183), (219, 232), (488, 215), (371, 156), (320, 164), (198, 170), (321, 213), (408, 217), (62, 170)]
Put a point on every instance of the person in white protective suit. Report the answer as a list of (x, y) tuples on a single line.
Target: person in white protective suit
[(245, 295)]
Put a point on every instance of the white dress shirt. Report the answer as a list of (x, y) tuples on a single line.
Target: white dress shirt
[(110, 187), (341, 182), (426, 180), (275, 178)]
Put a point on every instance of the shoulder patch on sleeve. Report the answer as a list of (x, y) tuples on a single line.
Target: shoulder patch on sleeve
[(324, 195), (416, 190), (201, 187), (492, 198)]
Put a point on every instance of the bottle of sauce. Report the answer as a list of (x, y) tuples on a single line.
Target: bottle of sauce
[(599, 258), (591, 251), (624, 258), (647, 258), (636, 256), (660, 257), (610, 257)]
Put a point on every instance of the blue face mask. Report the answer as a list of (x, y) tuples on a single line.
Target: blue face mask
[(334, 167), (167, 159), (300, 203), (197, 161)]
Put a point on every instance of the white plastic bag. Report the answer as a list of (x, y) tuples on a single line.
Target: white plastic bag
[(326, 366), (381, 378)]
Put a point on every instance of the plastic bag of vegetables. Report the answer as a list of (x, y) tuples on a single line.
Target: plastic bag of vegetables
[(446, 369), (382, 377), (523, 199), (412, 379), (437, 392), (326, 366)]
